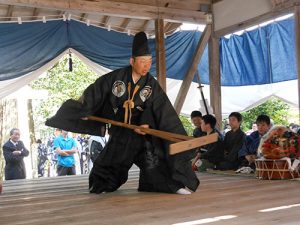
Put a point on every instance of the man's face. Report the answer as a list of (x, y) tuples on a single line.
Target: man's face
[(141, 64), (197, 121), (233, 122), (64, 133), (204, 127), (15, 136), (263, 127)]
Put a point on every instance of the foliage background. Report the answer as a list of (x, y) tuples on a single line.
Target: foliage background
[(61, 84)]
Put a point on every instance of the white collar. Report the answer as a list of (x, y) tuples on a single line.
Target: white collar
[(15, 143)]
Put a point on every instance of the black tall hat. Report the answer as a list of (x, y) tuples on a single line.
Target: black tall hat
[(140, 45)]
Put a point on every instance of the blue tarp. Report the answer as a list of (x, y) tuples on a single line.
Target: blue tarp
[(261, 56)]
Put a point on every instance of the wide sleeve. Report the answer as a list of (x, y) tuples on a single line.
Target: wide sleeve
[(69, 115)]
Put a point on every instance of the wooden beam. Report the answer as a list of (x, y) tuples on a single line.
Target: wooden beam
[(9, 12), (35, 14), (278, 10), (83, 16), (117, 8), (160, 54), (192, 70), (297, 31), (124, 24), (145, 25), (215, 79), (106, 20)]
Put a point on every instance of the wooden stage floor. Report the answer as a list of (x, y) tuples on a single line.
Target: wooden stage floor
[(220, 200)]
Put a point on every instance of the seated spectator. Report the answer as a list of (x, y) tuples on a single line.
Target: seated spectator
[(233, 142), (248, 152), (196, 118), (210, 155)]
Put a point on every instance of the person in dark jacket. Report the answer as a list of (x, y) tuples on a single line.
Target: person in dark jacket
[(210, 155), (131, 95), (233, 142), (248, 152), (14, 151), (196, 118)]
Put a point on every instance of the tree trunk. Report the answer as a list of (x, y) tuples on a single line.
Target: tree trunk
[(32, 138)]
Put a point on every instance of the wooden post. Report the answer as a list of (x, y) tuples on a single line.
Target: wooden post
[(297, 32), (215, 79), (160, 54), (186, 83)]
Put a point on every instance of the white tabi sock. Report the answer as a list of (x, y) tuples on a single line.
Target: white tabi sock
[(183, 191)]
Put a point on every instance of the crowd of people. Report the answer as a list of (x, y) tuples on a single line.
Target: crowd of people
[(236, 150), (81, 150)]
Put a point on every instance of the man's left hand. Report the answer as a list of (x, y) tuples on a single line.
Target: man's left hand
[(141, 132)]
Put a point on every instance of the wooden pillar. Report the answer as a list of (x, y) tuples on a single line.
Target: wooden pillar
[(297, 32), (160, 54), (186, 83), (215, 79)]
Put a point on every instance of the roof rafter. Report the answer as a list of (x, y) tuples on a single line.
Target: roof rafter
[(151, 10), (9, 12)]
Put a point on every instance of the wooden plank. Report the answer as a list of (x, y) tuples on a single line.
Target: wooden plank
[(158, 133), (188, 78), (161, 71), (297, 38), (191, 144), (224, 200), (215, 79), (117, 8)]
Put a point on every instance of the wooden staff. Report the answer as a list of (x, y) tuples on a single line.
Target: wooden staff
[(158, 133)]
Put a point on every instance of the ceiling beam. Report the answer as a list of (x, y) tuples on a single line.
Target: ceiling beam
[(279, 9), (83, 16), (35, 13), (9, 12), (124, 24), (106, 20), (118, 8), (145, 25)]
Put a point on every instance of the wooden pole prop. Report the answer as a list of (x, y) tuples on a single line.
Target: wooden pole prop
[(190, 144), (183, 143), (158, 133)]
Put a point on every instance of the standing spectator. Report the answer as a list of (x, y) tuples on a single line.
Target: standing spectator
[(254, 128), (233, 142), (248, 152), (14, 151), (210, 155), (65, 147), (42, 157), (196, 117)]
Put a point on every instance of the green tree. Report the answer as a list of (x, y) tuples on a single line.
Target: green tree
[(61, 85), (275, 108), (187, 124)]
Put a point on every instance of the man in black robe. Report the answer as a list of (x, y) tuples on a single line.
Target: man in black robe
[(131, 95)]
